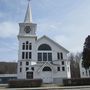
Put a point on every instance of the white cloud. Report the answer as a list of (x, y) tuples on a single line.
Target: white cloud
[(66, 22), (1, 14), (8, 51), (70, 43), (8, 29), (69, 36), (72, 30)]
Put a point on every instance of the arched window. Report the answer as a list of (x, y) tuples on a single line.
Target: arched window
[(44, 47), (47, 68), (27, 42), (27, 46)]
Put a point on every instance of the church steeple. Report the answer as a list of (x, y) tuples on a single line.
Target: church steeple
[(28, 28), (28, 16)]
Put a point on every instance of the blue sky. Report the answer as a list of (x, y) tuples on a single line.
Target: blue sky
[(65, 21)]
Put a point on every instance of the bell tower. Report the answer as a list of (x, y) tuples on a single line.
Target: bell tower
[(27, 28), (26, 37)]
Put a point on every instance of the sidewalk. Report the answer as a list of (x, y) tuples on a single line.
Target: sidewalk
[(3, 87), (55, 88)]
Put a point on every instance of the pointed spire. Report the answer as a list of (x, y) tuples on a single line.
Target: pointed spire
[(28, 16)]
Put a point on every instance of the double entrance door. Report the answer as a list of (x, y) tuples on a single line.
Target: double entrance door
[(47, 77), (29, 75)]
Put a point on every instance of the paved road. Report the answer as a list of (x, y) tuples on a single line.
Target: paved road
[(41, 89), (79, 89)]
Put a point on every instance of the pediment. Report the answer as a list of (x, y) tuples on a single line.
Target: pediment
[(45, 38), (45, 64)]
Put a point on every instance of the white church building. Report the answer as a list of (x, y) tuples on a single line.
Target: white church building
[(50, 58)]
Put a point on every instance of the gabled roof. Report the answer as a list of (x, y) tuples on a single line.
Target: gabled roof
[(53, 42)]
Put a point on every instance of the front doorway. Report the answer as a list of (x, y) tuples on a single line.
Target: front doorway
[(29, 75), (47, 74), (47, 77)]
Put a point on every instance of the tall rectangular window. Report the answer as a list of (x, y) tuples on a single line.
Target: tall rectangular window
[(20, 69), (30, 46), (49, 56), (39, 56), (27, 63), (32, 68), (26, 55), (44, 56), (20, 63), (30, 55), (58, 56), (23, 46), (26, 46), (23, 55), (61, 55), (58, 68), (63, 68), (62, 62), (27, 68)]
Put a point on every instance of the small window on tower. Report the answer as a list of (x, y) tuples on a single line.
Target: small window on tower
[(27, 45), (26, 55), (27, 63), (23, 55), (27, 42), (20, 63), (30, 46), (30, 55), (20, 69), (27, 68), (23, 46)]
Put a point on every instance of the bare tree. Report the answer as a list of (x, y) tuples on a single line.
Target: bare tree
[(74, 64)]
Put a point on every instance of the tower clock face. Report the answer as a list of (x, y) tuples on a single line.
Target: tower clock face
[(27, 29)]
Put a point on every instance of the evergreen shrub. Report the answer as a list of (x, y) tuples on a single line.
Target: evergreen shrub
[(76, 81), (24, 83)]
